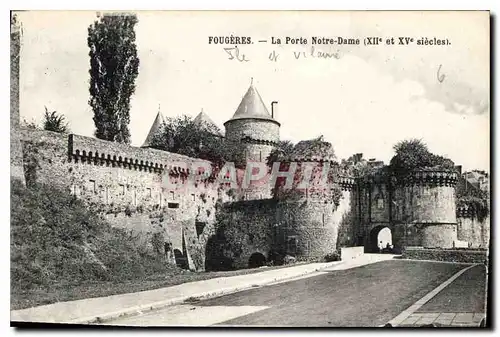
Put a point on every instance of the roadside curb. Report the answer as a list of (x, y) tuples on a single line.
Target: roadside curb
[(137, 310), (396, 321), (438, 261)]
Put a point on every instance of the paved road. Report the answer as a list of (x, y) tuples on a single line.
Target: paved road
[(466, 294), (360, 297)]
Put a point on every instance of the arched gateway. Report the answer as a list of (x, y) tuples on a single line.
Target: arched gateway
[(256, 260), (379, 235)]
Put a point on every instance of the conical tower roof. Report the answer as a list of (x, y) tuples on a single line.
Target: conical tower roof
[(155, 128), (204, 119), (252, 106)]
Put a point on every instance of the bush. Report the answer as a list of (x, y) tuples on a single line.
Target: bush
[(335, 256), (289, 259)]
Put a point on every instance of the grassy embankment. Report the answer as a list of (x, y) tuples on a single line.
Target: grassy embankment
[(61, 250)]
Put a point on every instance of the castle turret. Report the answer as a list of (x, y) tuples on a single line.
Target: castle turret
[(318, 213), (155, 128), (252, 128), (202, 120), (425, 211)]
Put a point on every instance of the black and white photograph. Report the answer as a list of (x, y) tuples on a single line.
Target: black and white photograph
[(250, 169)]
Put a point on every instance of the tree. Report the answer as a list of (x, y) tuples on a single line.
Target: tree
[(184, 136), (281, 153), (54, 122), (114, 66), (413, 154)]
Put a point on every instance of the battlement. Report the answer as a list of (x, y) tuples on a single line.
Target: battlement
[(430, 177), (250, 140), (100, 152), (346, 183), (465, 212)]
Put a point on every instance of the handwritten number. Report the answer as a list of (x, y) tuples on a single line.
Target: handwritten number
[(440, 76)]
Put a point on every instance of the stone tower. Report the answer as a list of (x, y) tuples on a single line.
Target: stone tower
[(16, 151), (425, 211), (252, 128)]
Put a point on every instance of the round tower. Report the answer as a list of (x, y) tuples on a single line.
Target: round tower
[(311, 217), (426, 208), (252, 130)]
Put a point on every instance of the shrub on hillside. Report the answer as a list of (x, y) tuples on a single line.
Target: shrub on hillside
[(335, 256), (289, 259), (57, 238)]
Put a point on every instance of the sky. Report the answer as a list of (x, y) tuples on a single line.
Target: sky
[(364, 101)]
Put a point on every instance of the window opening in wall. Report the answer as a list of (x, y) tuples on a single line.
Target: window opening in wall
[(91, 186), (148, 192), (200, 226), (380, 203), (122, 189), (173, 205), (172, 195), (193, 197), (75, 190), (291, 244)]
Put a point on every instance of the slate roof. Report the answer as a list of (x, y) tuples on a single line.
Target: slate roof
[(252, 106), (204, 119), (158, 122)]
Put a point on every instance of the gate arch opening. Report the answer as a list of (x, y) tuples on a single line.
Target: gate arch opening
[(380, 236), (256, 260), (180, 259)]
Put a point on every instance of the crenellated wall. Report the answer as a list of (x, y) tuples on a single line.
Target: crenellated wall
[(126, 184), (418, 208), (200, 225)]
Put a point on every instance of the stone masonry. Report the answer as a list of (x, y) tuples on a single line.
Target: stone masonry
[(203, 225)]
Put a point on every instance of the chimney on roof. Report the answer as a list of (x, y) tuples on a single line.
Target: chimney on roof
[(272, 108)]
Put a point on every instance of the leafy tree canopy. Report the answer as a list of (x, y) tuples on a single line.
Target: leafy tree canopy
[(413, 154), (281, 153), (114, 66), (185, 136)]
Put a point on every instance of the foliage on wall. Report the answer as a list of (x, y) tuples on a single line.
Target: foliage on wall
[(413, 154), (53, 121), (186, 136), (473, 199)]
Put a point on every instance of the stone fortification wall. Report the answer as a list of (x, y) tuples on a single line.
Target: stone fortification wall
[(127, 185), (471, 229)]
